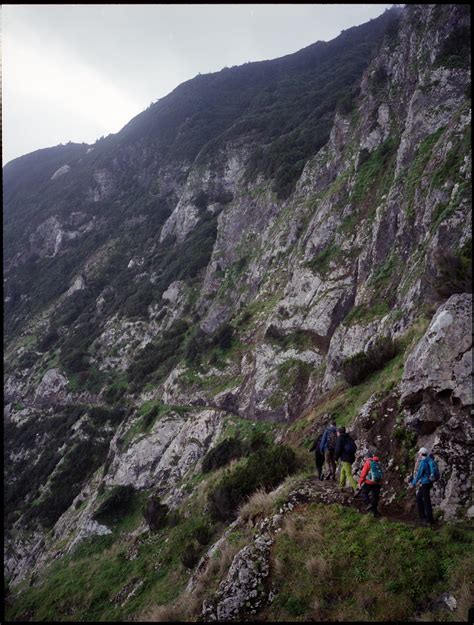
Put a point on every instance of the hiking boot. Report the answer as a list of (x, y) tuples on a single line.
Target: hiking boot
[(376, 514), (356, 493), (424, 523), (369, 508)]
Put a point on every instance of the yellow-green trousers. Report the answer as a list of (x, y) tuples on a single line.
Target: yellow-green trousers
[(346, 475)]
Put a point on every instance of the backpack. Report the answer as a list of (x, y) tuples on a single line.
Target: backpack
[(434, 471), (375, 473), (350, 447), (331, 441)]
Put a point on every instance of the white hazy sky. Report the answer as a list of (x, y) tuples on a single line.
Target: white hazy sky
[(75, 72)]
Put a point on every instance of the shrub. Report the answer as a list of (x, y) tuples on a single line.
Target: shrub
[(258, 506), (202, 533), (222, 454), (453, 273), (150, 417), (190, 556), (116, 504), (155, 513), (201, 200), (257, 441), (80, 462), (359, 366), (223, 337), (48, 340), (99, 415), (264, 469), (114, 392)]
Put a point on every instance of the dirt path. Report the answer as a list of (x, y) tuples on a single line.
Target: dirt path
[(328, 491)]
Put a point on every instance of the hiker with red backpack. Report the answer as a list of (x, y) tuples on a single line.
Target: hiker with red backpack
[(370, 482), (426, 472), (345, 452), (328, 447)]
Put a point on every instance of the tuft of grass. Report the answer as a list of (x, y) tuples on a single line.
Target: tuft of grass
[(375, 174), (258, 506), (364, 313)]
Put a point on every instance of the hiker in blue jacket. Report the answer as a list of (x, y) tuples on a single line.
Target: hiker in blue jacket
[(424, 477), (328, 447)]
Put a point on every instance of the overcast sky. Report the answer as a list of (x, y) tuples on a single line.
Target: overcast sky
[(76, 72)]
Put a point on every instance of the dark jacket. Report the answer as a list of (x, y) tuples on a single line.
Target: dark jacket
[(340, 452), (315, 447), (324, 441)]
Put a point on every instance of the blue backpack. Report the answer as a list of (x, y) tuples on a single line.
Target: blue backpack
[(375, 473), (433, 466)]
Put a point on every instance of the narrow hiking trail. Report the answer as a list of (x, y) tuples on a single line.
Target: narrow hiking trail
[(328, 491), (247, 588)]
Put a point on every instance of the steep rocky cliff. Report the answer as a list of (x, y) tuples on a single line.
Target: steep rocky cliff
[(269, 245)]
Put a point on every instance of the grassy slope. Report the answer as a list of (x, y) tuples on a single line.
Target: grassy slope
[(329, 562)]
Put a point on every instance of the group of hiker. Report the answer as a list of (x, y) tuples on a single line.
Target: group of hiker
[(335, 444)]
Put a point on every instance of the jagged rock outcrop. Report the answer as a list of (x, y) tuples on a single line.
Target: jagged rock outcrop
[(52, 389), (161, 458), (442, 360)]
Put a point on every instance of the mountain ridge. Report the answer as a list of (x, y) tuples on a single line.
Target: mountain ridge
[(160, 315)]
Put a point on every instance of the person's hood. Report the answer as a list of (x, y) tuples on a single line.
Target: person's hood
[(376, 458)]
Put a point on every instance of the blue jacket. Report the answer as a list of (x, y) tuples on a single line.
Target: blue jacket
[(423, 473), (324, 440)]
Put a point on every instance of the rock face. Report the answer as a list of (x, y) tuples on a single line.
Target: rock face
[(167, 453), (436, 388), (52, 389), (442, 360), (191, 276)]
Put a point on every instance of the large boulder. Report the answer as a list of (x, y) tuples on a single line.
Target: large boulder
[(52, 389), (442, 360), (436, 393)]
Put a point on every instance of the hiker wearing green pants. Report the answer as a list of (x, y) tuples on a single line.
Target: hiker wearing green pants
[(345, 452)]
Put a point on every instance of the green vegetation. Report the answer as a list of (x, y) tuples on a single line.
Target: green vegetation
[(364, 313), (353, 578), (222, 454), (414, 174), (233, 448), (80, 458), (455, 51), (452, 163), (91, 583), (117, 502), (359, 366), (344, 403), (265, 468), (382, 277), (321, 261), (149, 413), (453, 272), (375, 174), (298, 339)]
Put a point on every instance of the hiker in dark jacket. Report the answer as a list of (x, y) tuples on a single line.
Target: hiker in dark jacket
[(328, 447), (370, 484), (423, 498), (345, 452), (318, 456)]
